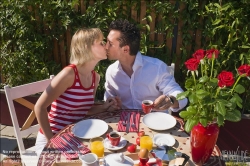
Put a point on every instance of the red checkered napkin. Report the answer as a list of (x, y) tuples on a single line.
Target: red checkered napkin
[(66, 149), (134, 118)]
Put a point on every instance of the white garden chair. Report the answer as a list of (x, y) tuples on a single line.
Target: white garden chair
[(28, 156), (172, 68)]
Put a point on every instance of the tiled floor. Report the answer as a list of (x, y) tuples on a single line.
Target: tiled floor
[(9, 145)]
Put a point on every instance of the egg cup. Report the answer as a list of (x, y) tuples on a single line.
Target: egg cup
[(143, 161)]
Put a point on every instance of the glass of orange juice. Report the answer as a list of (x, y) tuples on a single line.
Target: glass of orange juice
[(97, 146), (146, 141)]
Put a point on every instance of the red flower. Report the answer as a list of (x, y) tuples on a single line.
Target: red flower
[(210, 53), (225, 79), (244, 69), (192, 64), (199, 54)]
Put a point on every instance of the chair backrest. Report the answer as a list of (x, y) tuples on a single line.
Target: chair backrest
[(16, 94), (172, 68)]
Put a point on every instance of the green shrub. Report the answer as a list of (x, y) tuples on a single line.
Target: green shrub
[(30, 28)]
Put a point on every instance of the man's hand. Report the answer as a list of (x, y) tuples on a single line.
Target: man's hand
[(165, 102)]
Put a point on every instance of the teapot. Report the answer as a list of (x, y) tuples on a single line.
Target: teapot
[(117, 159), (167, 153)]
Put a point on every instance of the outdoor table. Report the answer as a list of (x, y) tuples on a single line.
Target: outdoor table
[(50, 155)]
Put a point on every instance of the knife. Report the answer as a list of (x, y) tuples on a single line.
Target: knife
[(71, 145), (128, 123)]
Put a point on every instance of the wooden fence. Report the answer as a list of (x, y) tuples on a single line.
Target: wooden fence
[(61, 47)]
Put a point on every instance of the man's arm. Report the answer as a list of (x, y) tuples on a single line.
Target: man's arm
[(169, 87)]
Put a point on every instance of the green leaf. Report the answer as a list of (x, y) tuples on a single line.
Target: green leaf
[(185, 114), (217, 5), (193, 98), (192, 109), (214, 80), (245, 46), (204, 79), (239, 104), (189, 83), (216, 22), (203, 121), (220, 120), (233, 116), (237, 98), (149, 18), (190, 124), (182, 95), (228, 104), (239, 89), (148, 27), (201, 93), (220, 108)]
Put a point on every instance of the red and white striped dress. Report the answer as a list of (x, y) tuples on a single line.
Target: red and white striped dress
[(72, 105)]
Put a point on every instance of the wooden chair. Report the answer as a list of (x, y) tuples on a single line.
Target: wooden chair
[(28, 156)]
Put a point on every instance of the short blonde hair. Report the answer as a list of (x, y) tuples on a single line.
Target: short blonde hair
[(82, 40)]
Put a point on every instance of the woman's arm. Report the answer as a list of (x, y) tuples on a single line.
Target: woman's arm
[(58, 85)]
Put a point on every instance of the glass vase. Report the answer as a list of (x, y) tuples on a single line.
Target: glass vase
[(203, 140)]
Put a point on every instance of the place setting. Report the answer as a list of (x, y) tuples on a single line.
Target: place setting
[(90, 140), (114, 141), (156, 120), (89, 128), (129, 121)]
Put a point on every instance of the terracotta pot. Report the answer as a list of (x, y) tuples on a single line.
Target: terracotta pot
[(203, 140)]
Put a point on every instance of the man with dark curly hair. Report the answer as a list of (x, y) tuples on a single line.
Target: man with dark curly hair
[(135, 77)]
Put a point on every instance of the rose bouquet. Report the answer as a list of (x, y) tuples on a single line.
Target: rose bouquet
[(212, 97)]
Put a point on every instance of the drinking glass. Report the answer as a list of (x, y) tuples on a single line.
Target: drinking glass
[(146, 141), (97, 146)]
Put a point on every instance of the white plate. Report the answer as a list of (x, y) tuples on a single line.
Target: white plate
[(113, 160), (90, 128), (159, 121), (164, 139), (122, 144)]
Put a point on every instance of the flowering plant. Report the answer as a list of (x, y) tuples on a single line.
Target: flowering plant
[(212, 98)]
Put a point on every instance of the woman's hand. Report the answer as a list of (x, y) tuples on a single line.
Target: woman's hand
[(112, 104)]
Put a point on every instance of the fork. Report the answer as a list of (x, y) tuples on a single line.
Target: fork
[(124, 120), (76, 148), (65, 146), (79, 145), (133, 122)]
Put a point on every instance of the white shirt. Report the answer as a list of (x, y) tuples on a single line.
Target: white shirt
[(151, 78)]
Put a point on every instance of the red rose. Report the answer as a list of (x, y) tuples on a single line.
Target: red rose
[(192, 64), (199, 54), (210, 53), (225, 79), (244, 69)]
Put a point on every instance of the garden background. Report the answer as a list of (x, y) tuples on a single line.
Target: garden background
[(36, 34)]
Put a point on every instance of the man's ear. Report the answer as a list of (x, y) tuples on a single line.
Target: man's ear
[(126, 49)]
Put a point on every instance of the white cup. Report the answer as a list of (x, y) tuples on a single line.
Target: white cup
[(89, 159)]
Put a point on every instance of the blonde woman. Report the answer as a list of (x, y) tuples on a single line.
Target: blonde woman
[(72, 91)]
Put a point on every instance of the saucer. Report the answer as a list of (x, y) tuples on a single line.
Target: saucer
[(164, 139), (122, 144)]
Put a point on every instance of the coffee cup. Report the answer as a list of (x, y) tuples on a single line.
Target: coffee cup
[(89, 159), (147, 106), (114, 138)]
